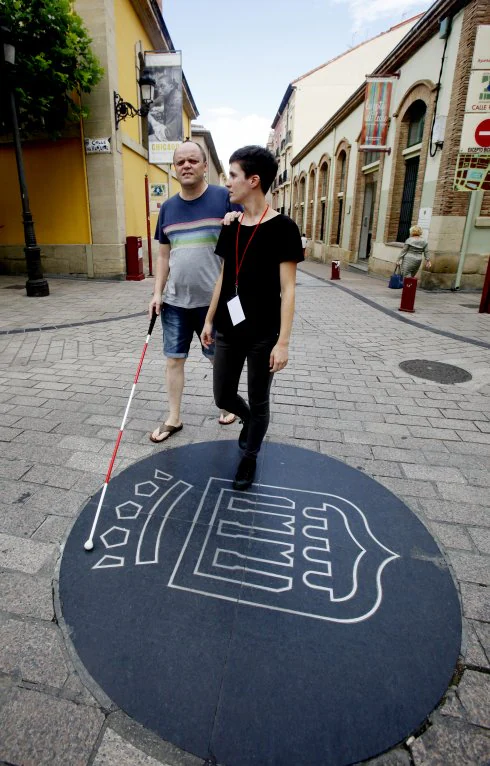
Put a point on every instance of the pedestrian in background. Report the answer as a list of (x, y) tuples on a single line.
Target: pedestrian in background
[(414, 251), (304, 242)]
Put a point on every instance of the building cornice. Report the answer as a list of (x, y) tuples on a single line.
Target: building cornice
[(420, 33)]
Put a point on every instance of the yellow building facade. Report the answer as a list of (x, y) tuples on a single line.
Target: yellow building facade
[(85, 204)]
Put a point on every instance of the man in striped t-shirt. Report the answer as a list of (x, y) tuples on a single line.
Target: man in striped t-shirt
[(187, 269)]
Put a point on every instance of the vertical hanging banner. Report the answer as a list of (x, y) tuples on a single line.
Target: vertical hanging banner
[(376, 117), (165, 127)]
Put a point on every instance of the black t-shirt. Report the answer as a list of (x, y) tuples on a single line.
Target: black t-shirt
[(259, 286)]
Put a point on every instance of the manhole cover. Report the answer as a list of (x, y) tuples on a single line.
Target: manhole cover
[(436, 371), (311, 620), (14, 287)]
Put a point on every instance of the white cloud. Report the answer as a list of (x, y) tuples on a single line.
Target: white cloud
[(364, 13), (231, 130)]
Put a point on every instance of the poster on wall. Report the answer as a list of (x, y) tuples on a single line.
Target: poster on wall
[(158, 195), (165, 126), (376, 117)]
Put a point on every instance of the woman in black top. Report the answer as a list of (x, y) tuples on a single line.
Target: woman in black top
[(253, 302)]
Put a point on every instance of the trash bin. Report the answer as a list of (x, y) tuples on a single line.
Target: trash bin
[(134, 259)]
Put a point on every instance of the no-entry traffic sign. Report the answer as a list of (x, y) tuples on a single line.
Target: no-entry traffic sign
[(482, 134)]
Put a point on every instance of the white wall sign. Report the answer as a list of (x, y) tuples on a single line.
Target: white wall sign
[(97, 146), (478, 98), (481, 54), (425, 216)]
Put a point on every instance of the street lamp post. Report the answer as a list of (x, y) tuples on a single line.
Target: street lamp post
[(36, 285)]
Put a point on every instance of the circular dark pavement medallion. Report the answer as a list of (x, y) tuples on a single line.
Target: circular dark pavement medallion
[(310, 620), (439, 372)]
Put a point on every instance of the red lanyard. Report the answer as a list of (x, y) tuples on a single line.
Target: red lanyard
[(239, 265)]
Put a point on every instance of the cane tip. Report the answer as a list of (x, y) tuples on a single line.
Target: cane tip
[(89, 546)]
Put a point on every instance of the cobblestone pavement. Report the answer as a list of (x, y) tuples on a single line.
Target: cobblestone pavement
[(62, 395)]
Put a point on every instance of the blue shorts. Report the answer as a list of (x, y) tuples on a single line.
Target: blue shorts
[(179, 325)]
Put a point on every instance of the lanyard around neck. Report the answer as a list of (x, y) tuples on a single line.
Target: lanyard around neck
[(238, 262)]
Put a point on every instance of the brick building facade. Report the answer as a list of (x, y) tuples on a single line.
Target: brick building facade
[(364, 212)]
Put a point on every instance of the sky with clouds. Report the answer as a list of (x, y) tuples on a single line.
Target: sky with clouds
[(239, 58)]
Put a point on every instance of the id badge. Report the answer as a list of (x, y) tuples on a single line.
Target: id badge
[(236, 311)]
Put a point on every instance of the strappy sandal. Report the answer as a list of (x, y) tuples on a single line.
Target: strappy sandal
[(165, 429)]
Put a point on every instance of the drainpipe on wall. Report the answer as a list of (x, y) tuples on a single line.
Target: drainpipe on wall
[(475, 203)]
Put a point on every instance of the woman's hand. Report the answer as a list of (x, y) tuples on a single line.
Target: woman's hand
[(230, 217), (207, 339), (279, 357)]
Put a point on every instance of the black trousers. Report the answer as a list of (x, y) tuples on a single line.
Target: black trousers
[(229, 358)]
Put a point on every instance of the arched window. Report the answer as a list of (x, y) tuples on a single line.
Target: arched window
[(416, 121), (321, 206), (343, 162), (311, 203), (302, 199)]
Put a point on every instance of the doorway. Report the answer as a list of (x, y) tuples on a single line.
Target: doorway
[(367, 216), (408, 198)]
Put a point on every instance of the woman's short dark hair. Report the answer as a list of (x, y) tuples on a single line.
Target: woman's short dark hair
[(257, 161)]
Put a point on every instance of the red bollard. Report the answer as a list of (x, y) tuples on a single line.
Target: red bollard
[(335, 270), (408, 295)]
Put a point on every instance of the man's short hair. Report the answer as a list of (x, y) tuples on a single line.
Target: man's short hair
[(257, 161), (190, 141)]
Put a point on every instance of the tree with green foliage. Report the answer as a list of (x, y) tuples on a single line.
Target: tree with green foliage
[(54, 65)]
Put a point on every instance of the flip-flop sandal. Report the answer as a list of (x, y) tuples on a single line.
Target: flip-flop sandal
[(223, 422), (165, 429)]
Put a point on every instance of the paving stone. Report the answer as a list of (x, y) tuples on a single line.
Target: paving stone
[(433, 473), (115, 751), (19, 521), (464, 493), (24, 555), (410, 488), (481, 538), (474, 694), (60, 477), (74, 690), (451, 744), (397, 757), (26, 595), (482, 630), (38, 730), (13, 469), (8, 434), (479, 477), (476, 601), (59, 502), (476, 657), (379, 467), (452, 536), (52, 530), (457, 513), (81, 443), (32, 651)]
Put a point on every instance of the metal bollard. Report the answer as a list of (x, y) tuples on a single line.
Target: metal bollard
[(408, 295), (335, 270)]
